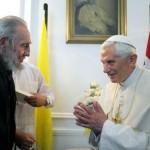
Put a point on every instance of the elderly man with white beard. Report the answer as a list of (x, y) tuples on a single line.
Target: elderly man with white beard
[(27, 78), (7, 88)]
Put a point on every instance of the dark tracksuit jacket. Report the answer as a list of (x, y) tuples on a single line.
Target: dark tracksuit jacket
[(7, 108)]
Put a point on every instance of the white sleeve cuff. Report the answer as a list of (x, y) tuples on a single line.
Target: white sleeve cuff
[(50, 102)]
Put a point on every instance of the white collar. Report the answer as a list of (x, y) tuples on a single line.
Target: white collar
[(133, 77)]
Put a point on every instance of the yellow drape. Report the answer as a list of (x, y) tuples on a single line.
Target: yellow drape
[(43, 121), (86, 131)]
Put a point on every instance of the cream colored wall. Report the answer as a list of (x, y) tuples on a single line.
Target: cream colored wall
[(74, 66)]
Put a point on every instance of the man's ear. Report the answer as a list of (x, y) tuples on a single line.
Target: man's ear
[(133, 59), (3, 41)]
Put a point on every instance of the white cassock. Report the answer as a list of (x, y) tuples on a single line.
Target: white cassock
[(132, 97), (29, 79)]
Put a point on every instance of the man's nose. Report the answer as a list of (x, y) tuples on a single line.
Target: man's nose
[(106, 68), (27, 52)]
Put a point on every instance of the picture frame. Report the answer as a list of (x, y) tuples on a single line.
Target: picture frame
[(94, 25)]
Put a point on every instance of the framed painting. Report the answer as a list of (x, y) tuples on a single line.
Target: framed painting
[(93, 21)]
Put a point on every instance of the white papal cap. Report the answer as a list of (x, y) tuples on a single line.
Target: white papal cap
[(121, 39)]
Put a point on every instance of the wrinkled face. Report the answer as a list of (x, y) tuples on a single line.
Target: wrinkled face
[(117, 68), (21, 45)]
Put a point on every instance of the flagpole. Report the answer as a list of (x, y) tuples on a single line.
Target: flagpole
[(46, 13)]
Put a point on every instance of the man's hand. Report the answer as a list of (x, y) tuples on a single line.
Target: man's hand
[(90, 118), (37, 100), (24, 140)]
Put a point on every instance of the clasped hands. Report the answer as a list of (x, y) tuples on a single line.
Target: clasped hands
[(90, 118)]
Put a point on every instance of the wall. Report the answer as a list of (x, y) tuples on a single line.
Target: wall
[(74, 66)]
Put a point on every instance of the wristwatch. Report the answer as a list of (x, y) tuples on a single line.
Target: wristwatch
[(48, 101)]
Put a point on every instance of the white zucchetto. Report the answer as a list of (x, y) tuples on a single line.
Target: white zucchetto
[(121, 39)]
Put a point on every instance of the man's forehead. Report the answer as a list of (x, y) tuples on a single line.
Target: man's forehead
[(22, 38)]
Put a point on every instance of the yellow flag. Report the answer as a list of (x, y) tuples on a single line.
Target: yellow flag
[(43, 121), (86, 131)]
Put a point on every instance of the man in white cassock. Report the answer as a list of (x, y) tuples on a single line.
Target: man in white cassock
[(121, 118)]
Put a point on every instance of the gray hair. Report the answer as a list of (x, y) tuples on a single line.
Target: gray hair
[(121, 49), (8, 26)]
